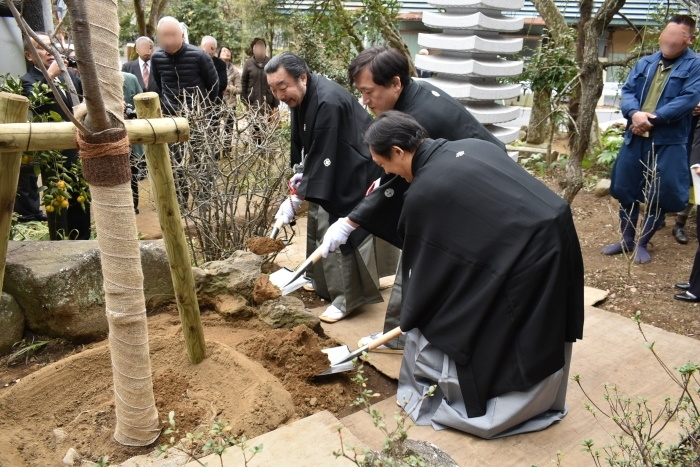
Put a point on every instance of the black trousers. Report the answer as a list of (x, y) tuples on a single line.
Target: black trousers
[(27, 202), (695, 272)]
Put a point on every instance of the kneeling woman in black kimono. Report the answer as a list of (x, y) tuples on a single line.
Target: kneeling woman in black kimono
[(493, 284)]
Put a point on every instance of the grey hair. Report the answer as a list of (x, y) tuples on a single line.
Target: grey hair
[(167, 19), (292, 63), (206, 39), (143, 38)]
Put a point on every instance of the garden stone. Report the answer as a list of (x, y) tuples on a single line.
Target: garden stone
[(11, 323), (58, 285), (287, 312)]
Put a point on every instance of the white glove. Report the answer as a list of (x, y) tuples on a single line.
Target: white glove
[(375, 184), (289, 208), (294, 182), (336, 235)]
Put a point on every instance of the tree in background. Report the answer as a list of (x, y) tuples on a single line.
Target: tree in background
[(147, 15), (209, 18), (588, 83)]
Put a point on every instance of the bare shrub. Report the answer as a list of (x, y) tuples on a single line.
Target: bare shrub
[(231, 175)]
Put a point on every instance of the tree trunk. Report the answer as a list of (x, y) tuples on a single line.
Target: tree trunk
[(591, 86), (140, 14), (537, 127), (105, 157)]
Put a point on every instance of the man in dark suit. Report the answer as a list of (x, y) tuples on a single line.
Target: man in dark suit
[(209, 46), (141, 67), (72, 222)]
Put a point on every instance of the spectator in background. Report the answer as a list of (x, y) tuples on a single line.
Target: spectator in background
[(233, 77), (72, 222), (181, 70), (424, 73), (255, 91), (131, 88), (658, 98), (141, 67), (208, 45)]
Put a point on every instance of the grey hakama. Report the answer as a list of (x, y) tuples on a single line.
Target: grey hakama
[(347, 280), (513, 413)]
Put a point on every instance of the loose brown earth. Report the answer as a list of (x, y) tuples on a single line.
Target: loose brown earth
[(264, 245), (70, 387)]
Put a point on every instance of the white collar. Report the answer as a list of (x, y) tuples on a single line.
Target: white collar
[(141, 62)]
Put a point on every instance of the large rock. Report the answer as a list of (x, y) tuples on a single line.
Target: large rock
[(233, 276), (287, 312), (58, 285), (11, 323)]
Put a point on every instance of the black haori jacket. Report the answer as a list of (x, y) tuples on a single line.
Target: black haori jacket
[(492, 268), (327, 130), (443, 117)]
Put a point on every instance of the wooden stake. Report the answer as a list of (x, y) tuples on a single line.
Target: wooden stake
[(61, 135), (13, 108), (160, 173)]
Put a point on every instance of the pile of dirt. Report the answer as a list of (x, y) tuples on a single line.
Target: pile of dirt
[(71, 403), (264, 290), (265, 245), (295, 358)]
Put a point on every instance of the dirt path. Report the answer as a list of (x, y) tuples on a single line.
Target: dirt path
[(648, 287)]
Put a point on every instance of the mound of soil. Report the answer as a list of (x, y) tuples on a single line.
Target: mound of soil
[(264, 290), (295, 358), (75, 396), (265, 245)]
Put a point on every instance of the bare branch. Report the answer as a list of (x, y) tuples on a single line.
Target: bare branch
[(27, 32)]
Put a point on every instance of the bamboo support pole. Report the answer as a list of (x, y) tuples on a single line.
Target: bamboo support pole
[(163, 187), (60, 135), (13, 108)]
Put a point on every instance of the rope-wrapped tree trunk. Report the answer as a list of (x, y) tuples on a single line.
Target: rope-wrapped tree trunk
[(105, 156)]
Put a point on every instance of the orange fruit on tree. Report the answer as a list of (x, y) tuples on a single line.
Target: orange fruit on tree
[(64, 203)]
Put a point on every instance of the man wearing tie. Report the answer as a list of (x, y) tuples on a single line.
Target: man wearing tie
[(141, 67)]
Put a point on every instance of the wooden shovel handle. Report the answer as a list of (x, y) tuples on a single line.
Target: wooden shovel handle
[(384, 338)]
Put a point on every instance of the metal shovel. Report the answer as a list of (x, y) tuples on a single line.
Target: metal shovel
[(344, 362), (288, 281)]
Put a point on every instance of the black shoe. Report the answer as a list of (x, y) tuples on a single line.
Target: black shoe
[(686, 297), (679, 234), (136, 210), (682, 286)]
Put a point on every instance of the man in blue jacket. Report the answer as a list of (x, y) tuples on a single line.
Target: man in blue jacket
[(657, 99)]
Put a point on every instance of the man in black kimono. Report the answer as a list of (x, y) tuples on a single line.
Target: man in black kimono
[(327, 125), (382, 76), (492, 284)]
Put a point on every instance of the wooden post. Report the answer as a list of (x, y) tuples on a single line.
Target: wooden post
[(160, 173), (13, 108)]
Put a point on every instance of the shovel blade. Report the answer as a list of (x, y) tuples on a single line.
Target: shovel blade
[(281, 278), (335, 354)]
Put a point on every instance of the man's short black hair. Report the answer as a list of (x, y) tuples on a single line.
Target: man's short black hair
[(294, 64), (685, 20), (394, 128), (384, 63)]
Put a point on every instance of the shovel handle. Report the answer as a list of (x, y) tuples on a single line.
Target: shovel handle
[(277, 227), (384, 338)]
